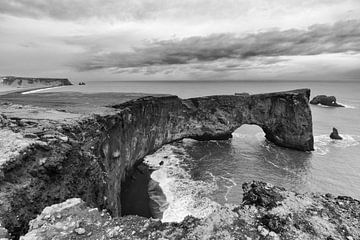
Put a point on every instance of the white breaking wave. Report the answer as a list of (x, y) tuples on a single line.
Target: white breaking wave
[(39, 90), (347, 106), (184, 195), (323, 143), (343, 104)]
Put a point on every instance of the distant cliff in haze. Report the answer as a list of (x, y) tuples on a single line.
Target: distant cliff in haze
[(34, 82)]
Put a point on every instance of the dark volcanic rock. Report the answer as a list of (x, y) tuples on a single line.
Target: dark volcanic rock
[(325, 100), (335, 134), (261, 194)]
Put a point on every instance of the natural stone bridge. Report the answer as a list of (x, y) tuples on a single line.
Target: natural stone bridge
[(145, 124), (89, 156)]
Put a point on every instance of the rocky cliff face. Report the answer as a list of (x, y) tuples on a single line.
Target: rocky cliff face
[(88, 156), (144, 125), (34, 82)]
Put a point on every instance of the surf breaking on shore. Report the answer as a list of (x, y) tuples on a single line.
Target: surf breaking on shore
[(39, 90), (184, 195), (323, 143)]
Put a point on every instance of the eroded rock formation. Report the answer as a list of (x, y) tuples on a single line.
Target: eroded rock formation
[(326, 101), (335, 134), (88, 156), (144, 125)]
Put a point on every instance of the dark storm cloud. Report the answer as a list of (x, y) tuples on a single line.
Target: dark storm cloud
[(317, 39)]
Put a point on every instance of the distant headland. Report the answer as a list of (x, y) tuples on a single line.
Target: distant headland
[(25, 82)]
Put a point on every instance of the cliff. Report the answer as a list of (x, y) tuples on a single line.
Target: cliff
[(34, 82), (62, 150)]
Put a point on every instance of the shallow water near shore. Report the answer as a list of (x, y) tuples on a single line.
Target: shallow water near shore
[(198, 176)]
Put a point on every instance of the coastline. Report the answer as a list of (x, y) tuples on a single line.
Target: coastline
[(100, 151), (25, 91)]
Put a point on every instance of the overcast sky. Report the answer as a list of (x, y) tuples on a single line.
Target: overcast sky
[(181, 39)]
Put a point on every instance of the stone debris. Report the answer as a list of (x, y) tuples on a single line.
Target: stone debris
[(80, 231)]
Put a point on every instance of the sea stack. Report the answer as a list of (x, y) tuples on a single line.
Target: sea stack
[(325, 100), (335, 134)]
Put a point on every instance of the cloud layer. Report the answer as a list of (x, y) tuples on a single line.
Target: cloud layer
[(342, 37), (150, 9), (179, 39)]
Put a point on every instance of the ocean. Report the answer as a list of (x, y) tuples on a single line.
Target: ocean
[(197, 177)]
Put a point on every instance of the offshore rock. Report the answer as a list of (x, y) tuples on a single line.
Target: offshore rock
[(291, 216), (335, 134), (326, 101), (84, 145)]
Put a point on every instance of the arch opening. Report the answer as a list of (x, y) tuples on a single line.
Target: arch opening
[(249, 133)]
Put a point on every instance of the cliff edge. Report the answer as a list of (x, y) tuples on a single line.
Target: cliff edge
[(83, 145)]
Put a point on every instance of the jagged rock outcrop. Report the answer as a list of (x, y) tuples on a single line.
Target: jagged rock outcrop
[(267, 212), (72, 153), (335, 134), (34, 82), (326, 101)]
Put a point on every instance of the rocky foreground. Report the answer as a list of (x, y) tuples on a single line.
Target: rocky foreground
[(267, 212)]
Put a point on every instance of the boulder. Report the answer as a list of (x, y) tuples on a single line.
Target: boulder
[(325, 100), (335, 134)]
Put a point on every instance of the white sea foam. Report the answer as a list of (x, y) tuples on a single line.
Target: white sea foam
[(347, 106), (184, 195), (323, 143), (343, 104), (230, 183), (279, 166), (259, 136), (39, 90), (324, 106)]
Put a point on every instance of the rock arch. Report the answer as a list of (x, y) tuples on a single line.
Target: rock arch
[(285, 117), (98, 151), (144, 125)]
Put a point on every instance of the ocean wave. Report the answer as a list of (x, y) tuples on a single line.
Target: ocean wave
[(229, 185), (347, 106), (259, 136), (323, 143), (279, 165), (343, 104), (39, 90), (184, 195)]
